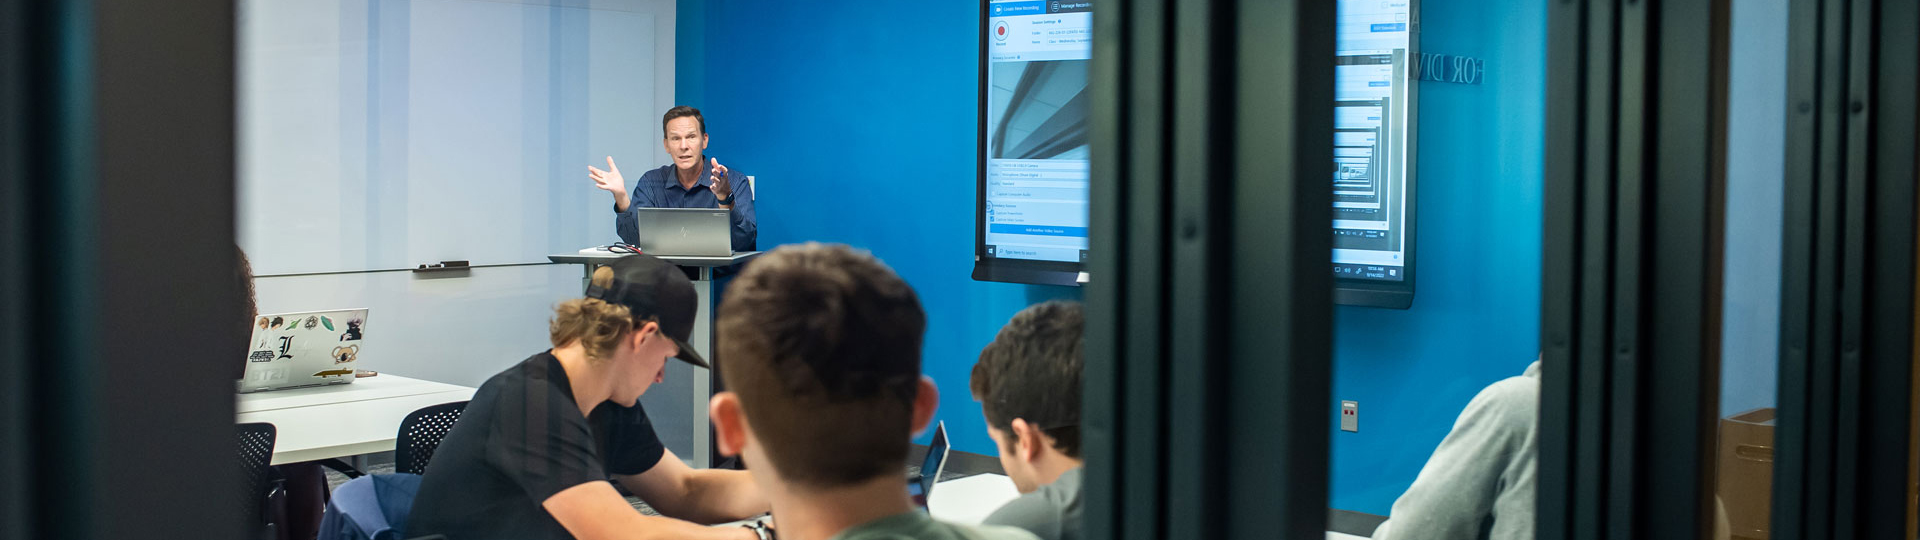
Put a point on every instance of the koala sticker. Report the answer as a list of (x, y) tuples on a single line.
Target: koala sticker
[(345, 354)]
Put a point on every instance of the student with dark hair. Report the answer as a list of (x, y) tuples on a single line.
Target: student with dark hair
[(693, 180), (532, 455), (305, 482), (1028, 384), (820, 351), (241, 288)]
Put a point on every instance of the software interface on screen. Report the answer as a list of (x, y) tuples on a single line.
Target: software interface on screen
[(1370, 139), (1035, 202)]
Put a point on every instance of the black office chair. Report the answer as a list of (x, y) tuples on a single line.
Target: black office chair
[(421, 433), (262, 495)]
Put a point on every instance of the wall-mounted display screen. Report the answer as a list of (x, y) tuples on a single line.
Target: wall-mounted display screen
[(1032, 211), (1372, 152), (1031, 218)]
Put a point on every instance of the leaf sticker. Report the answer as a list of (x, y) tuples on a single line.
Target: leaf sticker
[(326, 321)]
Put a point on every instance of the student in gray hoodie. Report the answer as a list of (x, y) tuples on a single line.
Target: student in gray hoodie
[(1479, 482)]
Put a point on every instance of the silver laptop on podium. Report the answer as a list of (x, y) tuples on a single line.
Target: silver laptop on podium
[(699, 232), (313, 348)]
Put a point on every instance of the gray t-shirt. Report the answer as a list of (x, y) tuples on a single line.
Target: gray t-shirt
[(1051, 512), (915, 525)]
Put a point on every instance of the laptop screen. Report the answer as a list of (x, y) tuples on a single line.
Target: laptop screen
[(936, 458)]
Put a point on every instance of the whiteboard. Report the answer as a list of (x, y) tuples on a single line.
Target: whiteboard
[(383, 134)]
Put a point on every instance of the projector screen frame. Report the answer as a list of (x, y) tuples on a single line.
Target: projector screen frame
[(986, 266), (1347, 291), (1391, 294)]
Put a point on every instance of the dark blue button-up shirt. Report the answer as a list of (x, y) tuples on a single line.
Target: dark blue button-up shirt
[(660, 188)]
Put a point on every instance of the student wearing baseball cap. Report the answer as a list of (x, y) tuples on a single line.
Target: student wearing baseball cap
[(532, 456)]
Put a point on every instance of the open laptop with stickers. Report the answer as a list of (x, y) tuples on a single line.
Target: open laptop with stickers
[(292, 350)]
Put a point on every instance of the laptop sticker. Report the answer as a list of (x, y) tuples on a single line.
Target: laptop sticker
[(342, 355), (271, 375)]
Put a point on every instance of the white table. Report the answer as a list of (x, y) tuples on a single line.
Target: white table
[(970, 500), (342, 420)]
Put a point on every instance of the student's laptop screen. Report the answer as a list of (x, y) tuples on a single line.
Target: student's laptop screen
[(936, 459), (292, 350)]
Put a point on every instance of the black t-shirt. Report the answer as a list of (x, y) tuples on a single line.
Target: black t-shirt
[(520, 441)]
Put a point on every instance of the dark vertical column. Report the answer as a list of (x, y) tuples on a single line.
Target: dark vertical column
[(1891, 117), (1128, 264), (1803, 451), (1208, 335), (16, 508), (1844, 447), (1630, 316), (1567, 474), (1279, 291), (118, 242)]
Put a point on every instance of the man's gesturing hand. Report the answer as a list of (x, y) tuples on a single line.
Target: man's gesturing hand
[(611, 180), (720, 185)]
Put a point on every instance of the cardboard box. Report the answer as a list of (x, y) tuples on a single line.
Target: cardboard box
[(1745, 482)]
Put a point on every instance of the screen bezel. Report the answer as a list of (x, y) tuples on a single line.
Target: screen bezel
[(1396, 294), (985, 266)]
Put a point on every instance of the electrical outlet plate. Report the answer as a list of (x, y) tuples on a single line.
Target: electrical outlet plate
[(1350, 416)]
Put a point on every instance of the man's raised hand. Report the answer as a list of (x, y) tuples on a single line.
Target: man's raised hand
[(611, 180)]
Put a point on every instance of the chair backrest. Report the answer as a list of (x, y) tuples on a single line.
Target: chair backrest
[(420, 435), (255, 443)]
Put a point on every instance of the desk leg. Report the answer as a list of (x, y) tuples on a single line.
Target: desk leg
[(702, 389), (587, 280)]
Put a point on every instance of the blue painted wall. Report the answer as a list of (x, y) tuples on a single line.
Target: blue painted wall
[(1756, 199), (858, 124), (1476, 308)]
